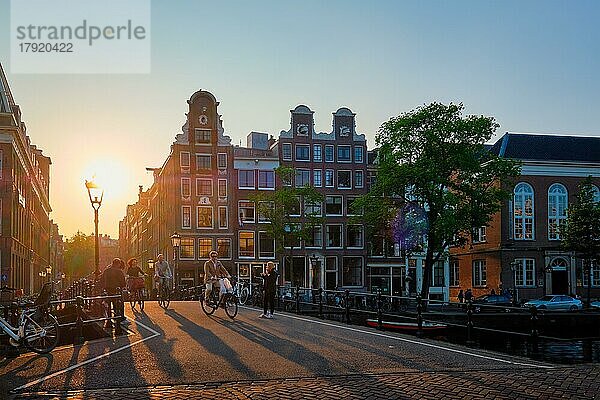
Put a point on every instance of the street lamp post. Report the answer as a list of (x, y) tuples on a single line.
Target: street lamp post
[(96, 193), (175, 242), (151, 273), (313, 263), (49, 273)]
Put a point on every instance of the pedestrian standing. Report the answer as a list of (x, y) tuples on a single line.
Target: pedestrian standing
[(461, 296), (270, 282), (113, 282)]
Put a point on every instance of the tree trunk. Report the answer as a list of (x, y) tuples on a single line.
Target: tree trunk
[(427, 268), (589, 284)]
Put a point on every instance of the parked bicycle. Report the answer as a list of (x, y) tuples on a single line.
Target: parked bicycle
[(37, 329), (227, 300), (241, 289)]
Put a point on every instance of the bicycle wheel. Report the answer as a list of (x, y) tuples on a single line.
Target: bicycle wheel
[(244, 295), (41, 332), (165, 297), (231, 305), (207, 306)]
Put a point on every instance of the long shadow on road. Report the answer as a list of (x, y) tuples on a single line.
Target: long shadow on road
[(213, 344)]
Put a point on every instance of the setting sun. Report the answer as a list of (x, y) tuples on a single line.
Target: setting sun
[(111, 175)]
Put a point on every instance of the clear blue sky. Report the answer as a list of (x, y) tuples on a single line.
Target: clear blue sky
[(533, 65)]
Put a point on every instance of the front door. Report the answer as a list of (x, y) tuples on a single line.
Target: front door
[(560, 282)]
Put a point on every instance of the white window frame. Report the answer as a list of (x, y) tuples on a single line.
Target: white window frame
[(260, 252), (332, 147), (349, 187), (341, 206), (226, 217), (302, 146), (283, 151), (362, 154), (480, 234), (253, 173), (203, 155), (479, 266), (454, 273), (181, 159), (246, 205), (362, 271), (203, 130), (522, 193), (185, 181), (317, 154), (219, 187), (261, 218), (308, 207), (330, 172), (193, 247), (362, 236), (341, 237), (359, 172), (198, 180), (558, 203), (524, 272), (240, 243), (300, 172), (317, 178), (266, 187), (230, 253), (199, 253), (212, 218), (183, 208), (221, 156), (344, 146)]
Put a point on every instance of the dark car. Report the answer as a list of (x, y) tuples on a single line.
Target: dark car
[(492, 302)]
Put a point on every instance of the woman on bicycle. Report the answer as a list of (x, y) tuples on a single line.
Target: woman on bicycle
[(135, 275)]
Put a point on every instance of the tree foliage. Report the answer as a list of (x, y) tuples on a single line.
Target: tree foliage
[(432, 164), (291, 219), (581, 234), (79, 255)]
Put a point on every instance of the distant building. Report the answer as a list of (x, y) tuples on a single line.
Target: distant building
[(521, 249), (108, 249), (25, 227)]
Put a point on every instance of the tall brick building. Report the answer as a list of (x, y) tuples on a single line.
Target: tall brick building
[(521, 248), (25, 226)]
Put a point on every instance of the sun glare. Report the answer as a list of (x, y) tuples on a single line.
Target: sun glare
[(109, 174)]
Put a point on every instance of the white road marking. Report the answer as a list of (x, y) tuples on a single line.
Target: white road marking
[(91, 360), (420, 343)]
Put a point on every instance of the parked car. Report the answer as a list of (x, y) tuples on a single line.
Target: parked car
[(554, 302), (492, 302), (595, 305)]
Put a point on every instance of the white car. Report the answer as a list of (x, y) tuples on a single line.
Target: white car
[(554, 302)]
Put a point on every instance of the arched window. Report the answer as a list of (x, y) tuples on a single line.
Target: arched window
[(596, 193), (523, 212), (557, 210), (558, 264)]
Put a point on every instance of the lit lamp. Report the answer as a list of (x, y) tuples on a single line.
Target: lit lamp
[(96, 193), (49, 272), (313, 263), (175, 242)]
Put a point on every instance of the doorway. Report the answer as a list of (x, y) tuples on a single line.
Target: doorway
[(560, 282)]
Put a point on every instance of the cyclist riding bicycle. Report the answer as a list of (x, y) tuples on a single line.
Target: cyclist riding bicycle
[(213, 272), (162, 271), (135, 275)]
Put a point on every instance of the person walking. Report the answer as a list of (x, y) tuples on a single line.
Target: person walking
[(113, 281), (461, 296), (270, 282)]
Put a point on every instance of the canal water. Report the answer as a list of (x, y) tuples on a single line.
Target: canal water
[(562, 351)]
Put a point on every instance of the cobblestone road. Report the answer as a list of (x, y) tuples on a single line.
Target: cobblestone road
[(560, 383)]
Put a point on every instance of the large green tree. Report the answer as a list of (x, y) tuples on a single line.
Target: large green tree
[(581, 234), (435, 180), (292, 212), (79, 255)]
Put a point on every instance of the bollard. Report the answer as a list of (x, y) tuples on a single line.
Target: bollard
[(297, 300), (321, 303), (79, 339), (469, 322), (379, 314), (534, 319), (347, 305), (419, 316)]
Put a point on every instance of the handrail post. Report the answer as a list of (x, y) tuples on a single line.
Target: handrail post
[(321, 303), (469, 322), (347, 304), (379, 315), (534, 320), (419, 316), (297, 300), (119, 315), (79, 339)]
